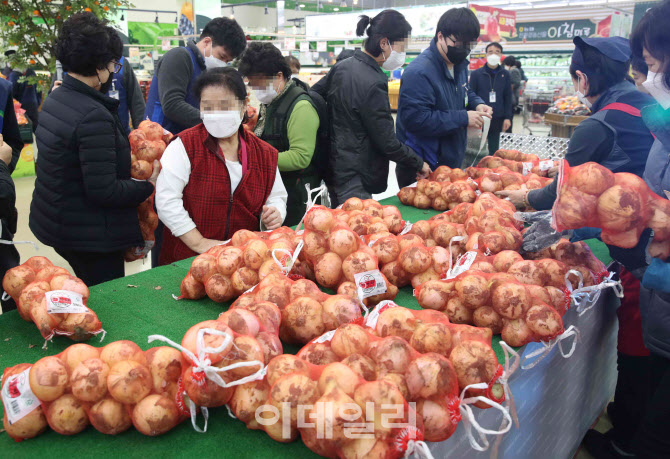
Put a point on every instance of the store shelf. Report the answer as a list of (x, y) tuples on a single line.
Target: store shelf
[(556, 67), (534, 77)]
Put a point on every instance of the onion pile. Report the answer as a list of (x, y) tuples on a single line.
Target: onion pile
[(303, 312), (147, 144), (515, 161), (28, 284), (112, 388), (367, 216), (226, 271), (520, 312), (621, 204)]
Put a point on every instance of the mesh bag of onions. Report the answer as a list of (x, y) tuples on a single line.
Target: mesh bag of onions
[(503, 179), (367, 216), (147, 144), (228, 270), (303, 311), (111, 388), (621, 204), (519, 312), (336, 252), (52, 298), (526, 164), (438, 195)]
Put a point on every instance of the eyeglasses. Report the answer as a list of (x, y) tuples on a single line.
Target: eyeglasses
[(117, 67), (460, 44)]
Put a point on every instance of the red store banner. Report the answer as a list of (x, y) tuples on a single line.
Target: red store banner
[(495, 24)]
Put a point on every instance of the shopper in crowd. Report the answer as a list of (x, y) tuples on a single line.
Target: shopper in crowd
[(650, 41), (10, 149), (27, 92), (436, 106), (517, 81), (639, 70), (85, 202), (217, 177), (493, 84), (288, 120), (171, 101), (363, 138), (517, 64), (126, 89), (294, 64), (616, 137), (7, 69)]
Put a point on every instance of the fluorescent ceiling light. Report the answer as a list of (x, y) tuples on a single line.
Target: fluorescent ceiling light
[(620, 1), (336, 9), (302, 5), (549, 4), (520, 6), (494, 2), (587, 2)]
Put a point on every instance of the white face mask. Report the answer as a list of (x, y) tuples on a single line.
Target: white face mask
[(221, 124), (267, 95), (582, 98), (493, 60), (212, 62), (394, 61), (657, 89)]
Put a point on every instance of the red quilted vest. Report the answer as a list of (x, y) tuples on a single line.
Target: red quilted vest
[(207, 198)]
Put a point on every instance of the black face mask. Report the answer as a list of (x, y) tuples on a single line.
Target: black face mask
[(456, 55), (104, 87)]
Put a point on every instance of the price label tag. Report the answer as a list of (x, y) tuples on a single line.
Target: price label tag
[(17, 397), (304, 46), (62, 301), (667, 193), (325, 338), (371, 319), (370, 283), (165, 45), (406, 229), (527, 167), (462, 265), (546, 164)]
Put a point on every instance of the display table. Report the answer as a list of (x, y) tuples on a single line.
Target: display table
[(556, 401), (562, 125)]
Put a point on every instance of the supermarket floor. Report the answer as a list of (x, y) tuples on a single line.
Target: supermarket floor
[(24, 192)]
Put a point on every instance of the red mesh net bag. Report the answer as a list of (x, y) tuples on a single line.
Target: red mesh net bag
[(147, 144), (53, 299), (621, 204), (112, 388)]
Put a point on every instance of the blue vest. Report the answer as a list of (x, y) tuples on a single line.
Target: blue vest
[(154, 110), (124, 111)]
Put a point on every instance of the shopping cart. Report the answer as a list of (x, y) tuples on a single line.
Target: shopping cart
[(535, 103), (544, 147)]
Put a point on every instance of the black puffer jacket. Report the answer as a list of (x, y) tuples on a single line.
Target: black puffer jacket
[(362, 132), (84, 198)]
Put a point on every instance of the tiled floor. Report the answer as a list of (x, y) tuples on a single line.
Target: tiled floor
[(24, 191)]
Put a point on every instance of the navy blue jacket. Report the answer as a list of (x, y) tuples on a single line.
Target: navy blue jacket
[(483, 80), (432, 117)]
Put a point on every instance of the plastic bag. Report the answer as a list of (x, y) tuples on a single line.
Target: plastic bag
[(147, 144), (303, 311), (53, 299), (112, 388), (621, 204)]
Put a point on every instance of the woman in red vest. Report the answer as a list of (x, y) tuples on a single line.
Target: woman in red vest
[(216, 177)]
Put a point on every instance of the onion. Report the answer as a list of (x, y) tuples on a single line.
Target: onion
[(503, 260), (38, 263), (487, 317), (122, 350), (415, 259), (254, 254), (357, 262), (77, 353), (274, 294), (129, 382), (397, 321), (619, 209), (379, 399), (510, 300), (302, 321), (246, 399), (339, 310), (458, 312), (319, 219), (48, 378), (295, 390), (434, 337), (204, 392), (328, 269), (245, 349), (555, 271), (436, 420), (283, 365), (527, 272), (474, 362), (66, 415), (243, 279), (352, 204), (16, 279), (191, 289), (110, 417), (318, 354), (591, 178), (434, 294), (268, 315), (270, 344), (422, 201), (241, 237), (314, 244), (386, 249), (395, 274), (343, 242), (362, 365), (350, 339), (393, 354), (544, 321), (211, 341), (203, 266), (89, 380), (659, 220), (473, 290), (155, 415), (31, 297), (165, 365), (241, 321), (406, 195), (516, 332)]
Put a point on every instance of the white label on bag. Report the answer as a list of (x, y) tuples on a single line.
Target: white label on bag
[(667, 193), (406, 229), (62, 301), (527, 167), (370, 283), (462, 265), (546, 164), (325, 338), (371, 319), (17, 397)]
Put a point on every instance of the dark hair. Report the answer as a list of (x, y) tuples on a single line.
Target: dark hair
[(459, 22), (509, 61), (263, 58), (387, 24), (496, 44), (85, 44), (639, 65), (293, 61), (517, 64), (652, 34), (227, 33), (226, 77), (602, 72), (345, 54)]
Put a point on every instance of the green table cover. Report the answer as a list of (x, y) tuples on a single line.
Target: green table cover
[(133, 308)]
